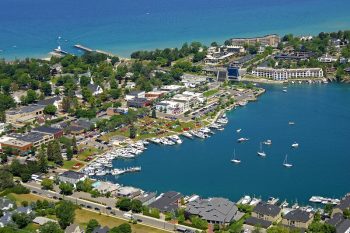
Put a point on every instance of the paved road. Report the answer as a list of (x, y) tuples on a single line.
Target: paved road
[(107, 210)]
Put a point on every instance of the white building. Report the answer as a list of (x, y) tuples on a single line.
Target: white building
[(170, 107), (171, 88), (2, 127), (285, 74), (327, 59), (135, 94)]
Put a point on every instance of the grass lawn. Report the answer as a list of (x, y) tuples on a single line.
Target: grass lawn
[(69, 164), (18, 198), (210, 92), (88, 152), (83, 216)]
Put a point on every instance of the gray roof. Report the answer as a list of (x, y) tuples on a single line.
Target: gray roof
[(46, 129), (337, 218), (25, 109), (4, 202), (168, 202), (258, 222), (42, 220), (23, 209), (48, 101), (29, 137), (340, 223), (7, 218), (298, 215), (343, 227), (344, 203), (72, 175), (213, 209), (146, 197), (101, 230), (267, 209), (71, 228)]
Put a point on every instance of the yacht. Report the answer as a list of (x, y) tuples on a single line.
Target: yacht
[(285, 162), (155, 140), (246, 200), (261, 152), (285, 91), (187, 134), (234, 160), (175, 139), (221, 129), (238, 130), (243, 139), (295, 145), (291, 123), (116, 172), (268, 142)]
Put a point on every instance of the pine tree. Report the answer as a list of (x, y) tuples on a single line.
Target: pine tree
[(69, 153), (74, 145), (42, 160)]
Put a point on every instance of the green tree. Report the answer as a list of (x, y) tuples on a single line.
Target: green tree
[(86, 93), (50, 109), (346, 213), (154, 113), (50, 227), (92, 224), (66, 188), (31, 96), (124, 204), (21, 219), (115, 93), (132, 132), (136, 206), (65, 212), (6, 179), (42, 160), (85, 185), (66, 103), (47, 184), (123, 228), (69, 153), (46, 88)]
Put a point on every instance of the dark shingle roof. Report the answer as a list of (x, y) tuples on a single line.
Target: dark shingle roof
[(46, 129), (168, 202), (258, 222), (344, 226), (48, 101), (267, 209), (298, 215), (337, 218), (344, 203), (101, 230)]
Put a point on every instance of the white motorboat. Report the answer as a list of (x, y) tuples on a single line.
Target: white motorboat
[(285, 162), (261, 152), (187, 134), (295, 145), (246, 200), (175, 139), (235, 160), (268, 142), (242, 139), (285, 91), (238, 130), (291, 123)]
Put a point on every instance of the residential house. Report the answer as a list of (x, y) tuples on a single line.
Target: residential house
[(74, 228), (42, 220), (101, 230), (344, 204), (298, 218), (327, 59), (56, 101), (146, 198), (264, 215), (111, 111), (6, 219), (135, 94), (214, 210), (71, 177), (341, 224), (167, 202), (6, 204)]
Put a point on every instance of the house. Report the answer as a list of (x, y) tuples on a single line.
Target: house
[(135, 94), (347, 70), (57, 133), (341, 224), (298, 218), (127, 191), (24, 209), (344, 204), (56, 101), (101, 230), (71, 177), (214, 210), (138, 102), (327, 59), (167, 202), (116, 111), (42, 220), (146, 198), (264, 215), (75, 130), (6, 204), (6, 219), (130, 85), (74, 228)]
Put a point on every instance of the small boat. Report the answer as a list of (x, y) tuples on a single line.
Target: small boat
[(234, 160), (245, 200), (187, 134), (242, 139), (285, 91), (238, 130), (286, 164), (291, 123), (268, 142), (261, 152), (220, 129), (295, 145)]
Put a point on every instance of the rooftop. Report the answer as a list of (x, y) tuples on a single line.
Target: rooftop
[(25, 109), (30, 137), (167, 202), (298, 215), (267, 209), (47, 129)]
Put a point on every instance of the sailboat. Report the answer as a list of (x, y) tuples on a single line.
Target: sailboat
[(285, 162), (234, 160), (261, 152)]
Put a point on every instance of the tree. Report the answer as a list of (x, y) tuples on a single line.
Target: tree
[(124, 204), (69, 153), (84, 81), (136, 206), (123, 228), (65, 212), (346, 213), (21, 219), (92, 224), (115, 93), (54, 152), (50, 227), (85, 186), (47, 184), (6, 102), (42, 160), (66, 101), (74, 145), (50, 109), (6, 179), (66, 188), (132, 132), (154, 114), (31, 96), (46, 88), (86, 93)]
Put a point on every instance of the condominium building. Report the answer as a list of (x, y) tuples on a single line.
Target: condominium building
[(268, 40), (284, 74)]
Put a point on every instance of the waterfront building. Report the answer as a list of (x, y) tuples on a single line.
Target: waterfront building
[(71, 177), (268, 40), (214, 210), (170, 107), (264, 215), (285, 74), (344, 204), (189, 99), (106, 187), (167, 202), (235, 73), (341, 224), (146, 198), (129, 192), (298, 218), (57, 133)]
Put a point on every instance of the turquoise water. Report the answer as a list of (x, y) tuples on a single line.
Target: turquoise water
[(320, 164), (31, 28)]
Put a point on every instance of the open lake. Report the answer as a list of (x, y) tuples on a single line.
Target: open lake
[(321, 164), (32, 28)]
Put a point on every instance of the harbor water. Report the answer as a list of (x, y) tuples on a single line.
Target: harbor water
[(320, 163)]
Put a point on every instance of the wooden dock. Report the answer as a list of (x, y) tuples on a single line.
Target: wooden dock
[(87, 49), (81, 47)]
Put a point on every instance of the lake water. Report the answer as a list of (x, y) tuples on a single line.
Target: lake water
[(32, 28), (320, 164)]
